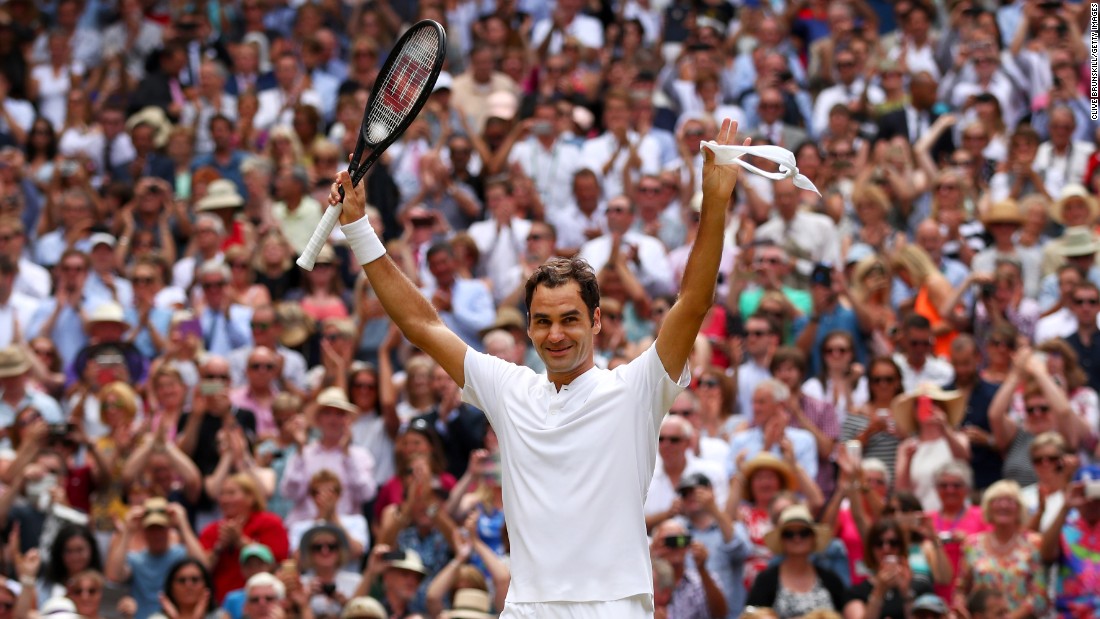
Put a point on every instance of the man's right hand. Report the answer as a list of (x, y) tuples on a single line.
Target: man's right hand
[(355, 198)]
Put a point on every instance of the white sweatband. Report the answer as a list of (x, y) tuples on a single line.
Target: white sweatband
[(726, 154), (363, 241)]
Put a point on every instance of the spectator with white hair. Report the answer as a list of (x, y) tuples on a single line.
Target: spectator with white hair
[(676, 465), (207, 247), (770, 430), (687, 406), (226, 326), (263, 597), (501, 344)]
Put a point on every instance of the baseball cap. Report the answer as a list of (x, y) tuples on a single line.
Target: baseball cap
[(930, 602), (694, 480), (257, 551)]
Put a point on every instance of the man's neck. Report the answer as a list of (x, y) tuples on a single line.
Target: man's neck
[(675, 468), (15, 394), (1086, 331), (292, 203)]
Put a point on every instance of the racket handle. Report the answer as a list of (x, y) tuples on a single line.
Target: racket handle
[(320, 235)]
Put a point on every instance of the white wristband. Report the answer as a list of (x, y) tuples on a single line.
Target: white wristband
[(363, 241)]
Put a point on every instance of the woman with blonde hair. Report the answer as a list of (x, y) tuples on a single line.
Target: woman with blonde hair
[(873, 208), (244, 521), (953, 209), (243, 288), (273, 263), (870, 283), (284, 148), (118, 406), (1053, 466), (934, 296), (1006, 558)]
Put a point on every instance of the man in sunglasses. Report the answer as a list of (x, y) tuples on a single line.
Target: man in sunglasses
[(677, 465), (1086, 306), (695, 593), (266, 330)]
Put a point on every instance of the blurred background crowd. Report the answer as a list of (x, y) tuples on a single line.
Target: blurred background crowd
[(893, 410)]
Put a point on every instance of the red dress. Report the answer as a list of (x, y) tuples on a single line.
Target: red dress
[(262, 527)]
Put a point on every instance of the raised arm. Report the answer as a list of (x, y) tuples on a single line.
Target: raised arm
[(676, 338), (413, 313)]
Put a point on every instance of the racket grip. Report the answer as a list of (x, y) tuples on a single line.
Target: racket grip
[(320, 235)]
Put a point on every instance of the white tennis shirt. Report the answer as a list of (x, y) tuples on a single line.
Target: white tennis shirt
[(577, 465)]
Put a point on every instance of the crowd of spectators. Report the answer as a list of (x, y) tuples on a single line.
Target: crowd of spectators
[(893, 410)]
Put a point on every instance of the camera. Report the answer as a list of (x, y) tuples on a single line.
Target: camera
[(394, 555), (677, 541), (60, 430), (987, 290), (328, 588), (1050, 5)]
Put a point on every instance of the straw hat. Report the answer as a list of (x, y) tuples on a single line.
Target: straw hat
[(108, 312), (508, 317), (469, 604), (1077, 241), (796, 514), (334, 397), (411, 562), (220, 194), (1003, 212), (1075, 191), (327, 255), (766, 460), (156, 118), (364, 608), (13, 362), (904, 406), (297, 327)]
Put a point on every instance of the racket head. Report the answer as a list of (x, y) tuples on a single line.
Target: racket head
[(403, 86)]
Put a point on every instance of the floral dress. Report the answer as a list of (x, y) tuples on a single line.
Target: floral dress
[(1016, 570)]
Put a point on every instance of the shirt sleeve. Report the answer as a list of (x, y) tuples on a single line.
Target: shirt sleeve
[(485, 375), (294, 483), (648, 373), (359, 466)]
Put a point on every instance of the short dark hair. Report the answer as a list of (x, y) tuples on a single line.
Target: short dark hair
[(441, 246), (788, 354), (916, 321), (557, 272)]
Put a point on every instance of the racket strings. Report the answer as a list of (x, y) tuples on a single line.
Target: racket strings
[(403, 84)]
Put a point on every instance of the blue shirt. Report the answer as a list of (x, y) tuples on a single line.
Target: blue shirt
[(751, 441), (839, 319), (231, 171), (68, 331), (147, 576), (160, 319), (726, 561), (472, 309), (222, 335), (234, 603)]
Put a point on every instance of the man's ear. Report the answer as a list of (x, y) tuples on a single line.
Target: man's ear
[(597, 323)]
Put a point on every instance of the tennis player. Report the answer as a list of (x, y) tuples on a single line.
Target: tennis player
[(578, 444)]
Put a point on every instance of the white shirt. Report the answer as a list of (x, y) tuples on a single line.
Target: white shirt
[(662, 492), (841, 94), (19, 309), (1058, 170), (21, 112), (588, 30), (598, 151), (500, 252), (653, 269), (274, 111), (1060, 324), (551, 170), (577, 464), (809, 237), (935, 370), (570, 223), (33, 280)]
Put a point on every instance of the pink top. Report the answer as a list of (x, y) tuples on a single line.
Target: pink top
[(848, 532), (968, 523)]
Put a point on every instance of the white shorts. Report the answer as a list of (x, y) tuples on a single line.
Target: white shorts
[(633, 607)]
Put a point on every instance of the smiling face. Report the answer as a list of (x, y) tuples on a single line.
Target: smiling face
[(561, 331)]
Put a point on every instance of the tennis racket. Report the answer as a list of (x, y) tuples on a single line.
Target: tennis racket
[(403, 86)]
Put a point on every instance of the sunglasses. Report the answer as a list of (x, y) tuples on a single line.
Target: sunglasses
[(674, 440), (211, 285), (256, 599), (757, 333), (1093, 301), (837, 350), (1000, 343), (261, 366), (709, 382), (324, 547), (188, 580), (143, 281), (1037, 460), (536, 237), (681, 412), (883, 380), (1037, 409), (790, 534), (85, 591), (951, 485), (888, 542), (224, 377)]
